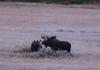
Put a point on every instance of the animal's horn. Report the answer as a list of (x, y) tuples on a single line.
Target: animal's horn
[(44, 36), (53, 37)]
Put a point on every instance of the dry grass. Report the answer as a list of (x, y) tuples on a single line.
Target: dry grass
[(25, 51)]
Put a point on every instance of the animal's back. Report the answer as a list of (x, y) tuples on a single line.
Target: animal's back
[(60, 45)]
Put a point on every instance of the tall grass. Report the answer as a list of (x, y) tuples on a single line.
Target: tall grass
[(25, 51)]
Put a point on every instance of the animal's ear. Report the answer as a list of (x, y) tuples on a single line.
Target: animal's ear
[(38, 41), (34, 41)]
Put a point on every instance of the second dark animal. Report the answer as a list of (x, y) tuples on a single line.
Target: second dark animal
[(35, 46)]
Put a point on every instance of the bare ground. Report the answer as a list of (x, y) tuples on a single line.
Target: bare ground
[(20, 24)]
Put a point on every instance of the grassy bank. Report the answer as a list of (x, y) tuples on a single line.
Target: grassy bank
[(58, 1)]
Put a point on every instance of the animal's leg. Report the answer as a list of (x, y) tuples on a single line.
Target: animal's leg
[(70, 54), (68, 50), (54, 53)]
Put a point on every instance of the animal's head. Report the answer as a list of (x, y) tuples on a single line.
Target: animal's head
[(47, 39), (38, 42)]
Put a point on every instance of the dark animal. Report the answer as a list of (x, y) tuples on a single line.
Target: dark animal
[(35, 46), (56, 44)]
